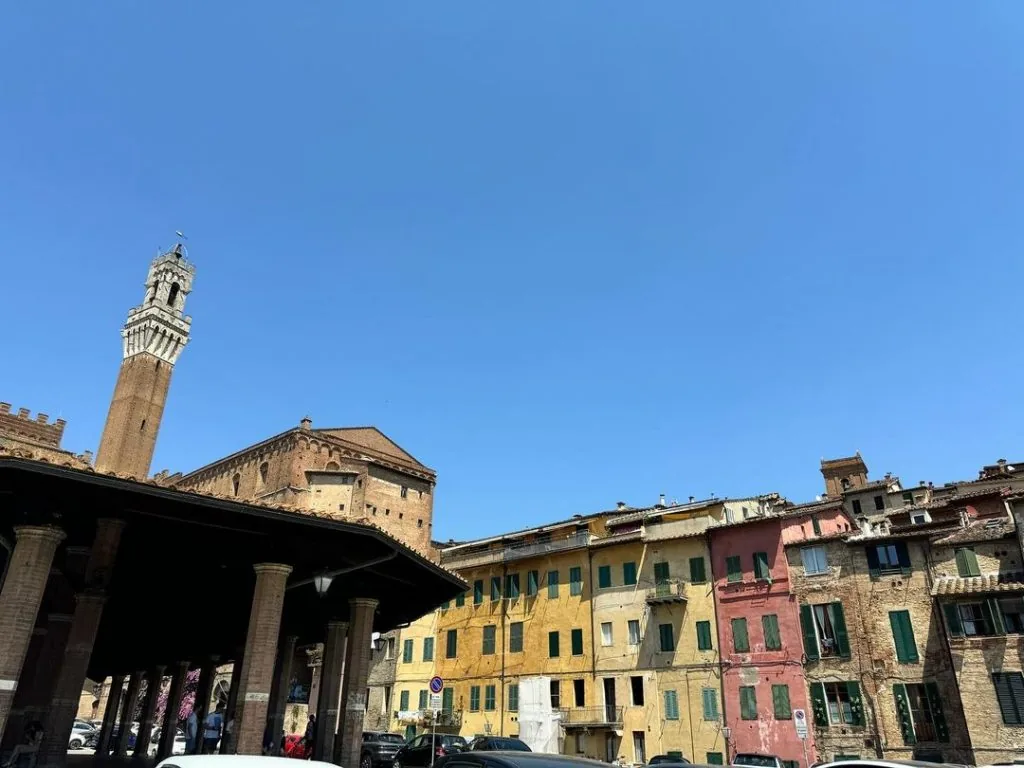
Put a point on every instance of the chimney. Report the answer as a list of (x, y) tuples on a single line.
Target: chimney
[(693, 499), (5, 407), (620, 505), (661, 500), (306, 423)]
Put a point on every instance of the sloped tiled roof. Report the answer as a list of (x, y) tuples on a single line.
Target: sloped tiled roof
[(979, 530), (373, 439), (977, 585)]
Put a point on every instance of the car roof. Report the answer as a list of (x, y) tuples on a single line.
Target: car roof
[(237, 761), (514, 757), (886, 763)]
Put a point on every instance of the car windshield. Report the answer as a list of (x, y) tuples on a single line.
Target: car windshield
[(513, 744), (761, 761), (659, 759), (387, 738), (452, 741)]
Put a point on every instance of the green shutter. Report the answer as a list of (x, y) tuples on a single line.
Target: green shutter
[(704, 636), (819, 707), (495, 588), (938, 715), (604, 576), (452, 643), (810, 638), (629, 574), (553, 645), (967, 562), (512, 586), (445, 605), (839, 624), (856, 703), (671, 706), (953, 623), (532, 583), (577, 642), (403, 701), (407, 651), (815, 525), (748, 703), (874, 567), (903, 637), (428, 649), (714, 758), (698, 575), (903, 714), (661, 573), (478, 592), (423, 701), (709, 699), (489, 698), (761, 566), (513, 697), (448, 699), (474, 698), (780, 702), (903, 558), (460, 599), (772, 638), (997, 616), (576, 581), (552, 584), (740, 639), (666, 637), (734, 571)]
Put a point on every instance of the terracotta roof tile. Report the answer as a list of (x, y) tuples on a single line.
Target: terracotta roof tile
[(976, 585), (980, 530)]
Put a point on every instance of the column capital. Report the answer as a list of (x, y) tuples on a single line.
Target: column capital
[(279, 568), (47, 533), (364, 602)]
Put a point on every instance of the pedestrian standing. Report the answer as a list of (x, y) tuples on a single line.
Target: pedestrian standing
[(192, 730), (212, 727)]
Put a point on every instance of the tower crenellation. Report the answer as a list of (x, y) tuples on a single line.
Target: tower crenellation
[(159, 325)]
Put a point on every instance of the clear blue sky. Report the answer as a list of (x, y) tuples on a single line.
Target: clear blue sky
[(565, 253)]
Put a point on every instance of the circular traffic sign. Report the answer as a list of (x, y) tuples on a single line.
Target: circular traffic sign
[(436, 684)]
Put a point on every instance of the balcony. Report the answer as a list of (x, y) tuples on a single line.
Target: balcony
[(449, 718), (467, 558), (667, 592), (607, 716)]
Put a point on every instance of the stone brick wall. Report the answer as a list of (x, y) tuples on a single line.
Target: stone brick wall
[(37, 430)]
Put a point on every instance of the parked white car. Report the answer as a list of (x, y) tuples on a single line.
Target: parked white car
[(237, 761)]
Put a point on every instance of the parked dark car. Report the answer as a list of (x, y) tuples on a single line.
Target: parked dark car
[(418, 751), (497, 743), (514, 759), (379, 749), (757, 761), (668, 760)]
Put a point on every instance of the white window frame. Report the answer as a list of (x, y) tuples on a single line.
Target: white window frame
[(639, 632), (815, 551), (607, 634)]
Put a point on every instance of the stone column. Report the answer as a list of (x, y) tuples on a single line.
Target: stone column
[(204, 692), (16, 719), (282, 684), (110, 718), (169, 727), (131, 703), (357, 671), (260, 652), (22, 593), (227, 744), (84, 626), (58, 628), (330, 690), (154, 681)]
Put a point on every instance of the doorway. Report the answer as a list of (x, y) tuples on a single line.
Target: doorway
[(639, 750), (609, 700)]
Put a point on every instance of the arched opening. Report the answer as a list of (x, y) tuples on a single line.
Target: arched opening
[(333, 466), (172, 296), (235, 481), (264, 471)]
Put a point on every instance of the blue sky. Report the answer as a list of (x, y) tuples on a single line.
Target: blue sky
[(566, 253)]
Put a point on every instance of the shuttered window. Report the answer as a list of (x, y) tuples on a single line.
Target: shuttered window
[(515, 637), (553, 644), (422, 704), (512, 586), (552, 584), (428, 649), (772, 638), (704, 636), (671, 705), (888, 559), (447, 699), (478, 592), (733, 570), (667, 637), (451, 648), (460, 599), (403, 701), (709, 700), (489, 698), (698, 574), (740, 639), (576, 581), (748, 703), (513, 697), (407, 651), (1010, 695), (661, 573), (495, 588), (780, 702), (714, 758), (474, 698), (967, 562), (824, 631), (577, 642), (816, 525), (761, 566), (629, 574), (604, 576), (490, 633), (903, 637), (532, 582)]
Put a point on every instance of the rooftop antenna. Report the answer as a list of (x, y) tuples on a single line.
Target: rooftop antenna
[(180, 248)]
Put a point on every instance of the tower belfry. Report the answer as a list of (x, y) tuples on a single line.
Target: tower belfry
[(153, 337)]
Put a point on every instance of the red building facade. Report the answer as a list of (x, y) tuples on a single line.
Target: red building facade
[(760, 640)]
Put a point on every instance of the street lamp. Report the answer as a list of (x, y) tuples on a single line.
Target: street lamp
[(322, 583), (379, 642)]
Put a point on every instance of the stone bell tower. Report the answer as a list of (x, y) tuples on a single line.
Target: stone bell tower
[(154, 335)]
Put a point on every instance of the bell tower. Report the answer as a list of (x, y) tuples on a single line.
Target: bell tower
[(153, 336)]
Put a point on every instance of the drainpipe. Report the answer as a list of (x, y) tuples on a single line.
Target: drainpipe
[(721, 666), (504, 611)]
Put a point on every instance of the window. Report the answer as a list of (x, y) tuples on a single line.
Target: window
[(495, 588), (515, 637), (576, 581), (448, 700), (814, 560), (576, 638), (532, 581), (837, 704), (629, 574), (264, 471), (489, 696), (478, 592), (856, 507), (1012, 609), (888, 558), (474, 698), (824, 630), (553, 644), (879, 503), (422, 704), (815, 525), (460, 599), (445, 605), (748, 703), (385, 700), (967, 562), (633, 625), (740, 639), (512, 586), (976, 619), (671, 705), (552, 584), (405, 492), (1010, 695), (714, 758), (513, 697), (389, 648), (578, 691), (697, 573), (709, 701), (606, 633), (407, 651), (172, 295), (903, 637), (604, 576), (451, 647), (733, 569), (780, 702), (556, 695), (772, 637), (703, 635), (666, 637), (235, 481), (428, 649), (636, 691), (403, 701), (490, 632), (761, 571), (661, 573), (919, 711)]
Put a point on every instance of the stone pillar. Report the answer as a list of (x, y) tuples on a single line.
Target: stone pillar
[(169, 727), (22, 593), (58, 629), (84, 626), (330, 690), (204, 692), (110, 718), (131, 703), (357, 671), (282, 685), (154, 681), (228, 743), (260, 652), (16, 719)]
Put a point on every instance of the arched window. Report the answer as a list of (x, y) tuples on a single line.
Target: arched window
[(333, 466), (234, 483), (264, 471), (172, 297)]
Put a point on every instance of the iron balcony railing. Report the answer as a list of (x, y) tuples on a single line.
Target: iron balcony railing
[(589, 717), (469, 558), (671, 591)]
